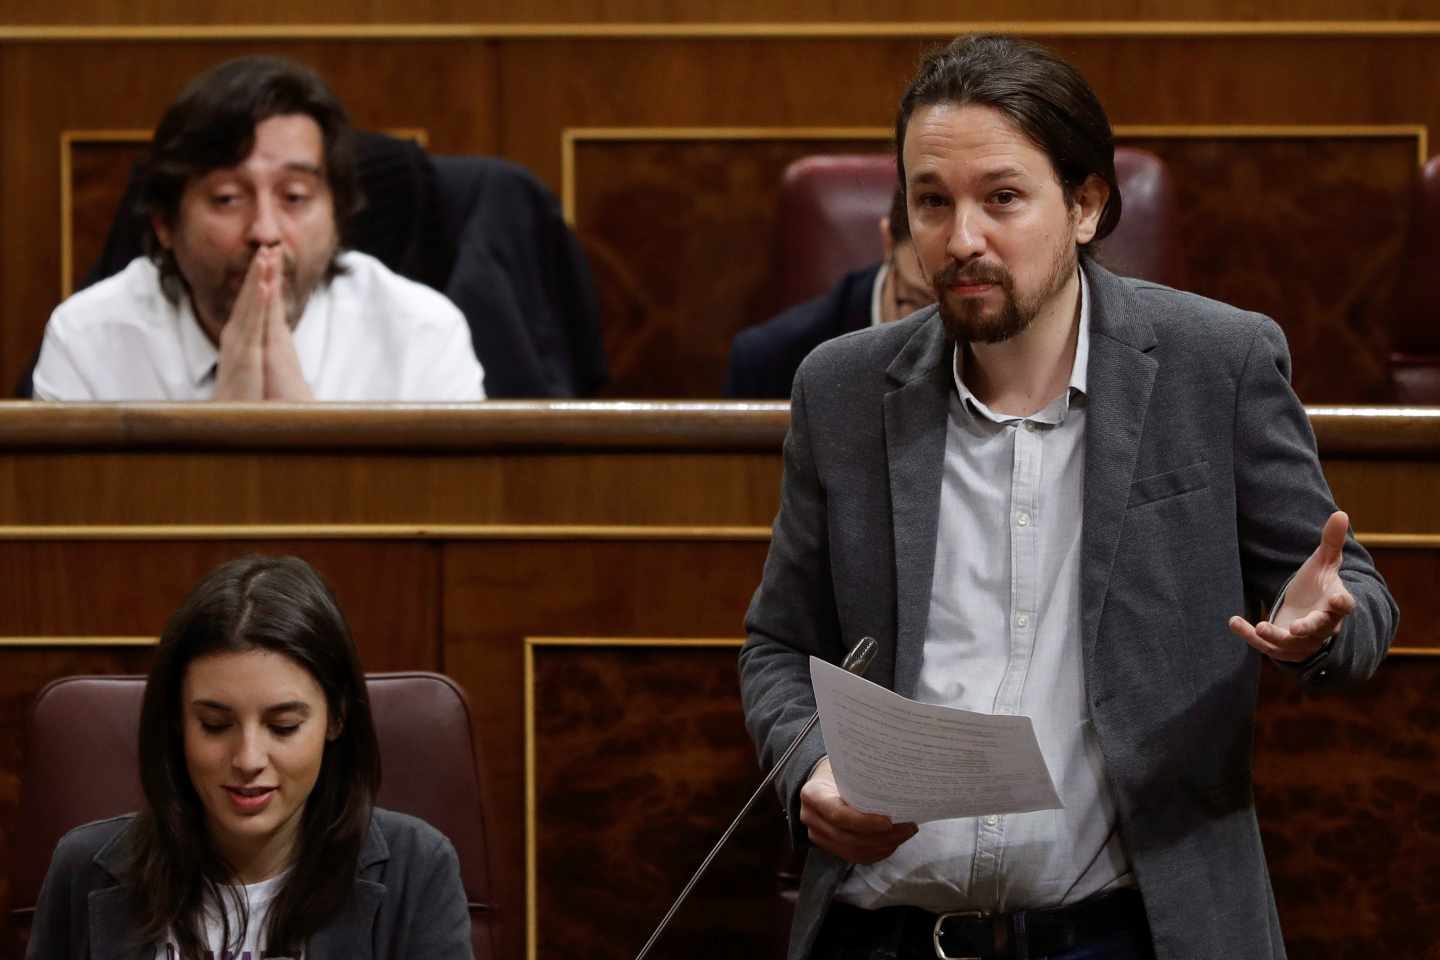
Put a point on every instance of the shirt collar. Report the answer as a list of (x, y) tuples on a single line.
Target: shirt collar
[(877, 293), (1079, 372)]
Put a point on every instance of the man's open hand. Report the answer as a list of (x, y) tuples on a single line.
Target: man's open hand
[(1316, 603)]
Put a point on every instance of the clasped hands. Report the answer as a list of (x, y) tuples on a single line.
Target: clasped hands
[(1316, 603), (257, 350)]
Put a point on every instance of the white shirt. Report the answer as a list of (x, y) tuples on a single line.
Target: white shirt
[(258, 897), (1003, 637), (367, 335)]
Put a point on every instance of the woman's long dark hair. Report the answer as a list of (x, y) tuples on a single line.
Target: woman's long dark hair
[(280, 605)]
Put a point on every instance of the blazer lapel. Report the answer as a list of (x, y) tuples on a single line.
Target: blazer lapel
[(112, 930), (1120, 376), (916, 413), (352, 935), (112, 917)]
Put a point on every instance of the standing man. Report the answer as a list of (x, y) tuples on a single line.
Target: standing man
[(1050, 495), (246, 294)]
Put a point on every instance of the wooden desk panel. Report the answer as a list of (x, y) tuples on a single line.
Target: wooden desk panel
[(455, 535)]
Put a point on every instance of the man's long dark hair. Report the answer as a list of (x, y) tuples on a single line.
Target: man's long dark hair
[(1043, 96), (278, 605), (212, 126)]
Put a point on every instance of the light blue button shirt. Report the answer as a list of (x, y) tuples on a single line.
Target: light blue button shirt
[(1003, 637)]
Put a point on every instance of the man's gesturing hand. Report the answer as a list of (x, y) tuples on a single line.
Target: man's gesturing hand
[(839, 828), (1316, 603)]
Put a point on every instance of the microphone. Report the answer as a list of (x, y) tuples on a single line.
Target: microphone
[(857, 661)]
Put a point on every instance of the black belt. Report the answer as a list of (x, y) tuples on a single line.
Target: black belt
[(978, 935)]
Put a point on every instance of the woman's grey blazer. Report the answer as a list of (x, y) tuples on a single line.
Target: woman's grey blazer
[(408, 899)]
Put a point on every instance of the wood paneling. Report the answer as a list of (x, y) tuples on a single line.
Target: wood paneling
[(676, 289), (483, 554), (1348, 811), (1346, 807), (681, 248), (1384, 500), (495, 595), (666, 793), (99, 173), (386, 589), (1412, 575), (674, 299), (585, 12), (1320, 284), (633, 488)]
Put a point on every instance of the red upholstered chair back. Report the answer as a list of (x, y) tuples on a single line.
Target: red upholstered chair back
[(830, 205), (81, 763), (829, 208), (1415, 316), (1146, 242)]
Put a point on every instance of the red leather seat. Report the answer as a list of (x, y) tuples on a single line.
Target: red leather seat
[(1415, 314), (829, 207), (82, 761)]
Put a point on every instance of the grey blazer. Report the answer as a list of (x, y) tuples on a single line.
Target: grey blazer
[(408, 899), (1202, 494)]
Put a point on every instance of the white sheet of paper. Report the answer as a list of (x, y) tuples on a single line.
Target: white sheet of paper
[(916, 762)]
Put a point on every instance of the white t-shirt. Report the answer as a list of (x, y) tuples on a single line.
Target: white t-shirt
[(369, 335), (258, 897)]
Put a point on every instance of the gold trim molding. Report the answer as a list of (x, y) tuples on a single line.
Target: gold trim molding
[(570, 137), (63, 640), (7, 643), (1083, 29), (383, 531), (1399, 541), (482, 531)]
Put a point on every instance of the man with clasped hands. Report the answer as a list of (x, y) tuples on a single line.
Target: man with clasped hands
[(247, 293)]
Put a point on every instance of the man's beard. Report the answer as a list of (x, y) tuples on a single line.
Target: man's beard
[(294, 289), (968, 323)]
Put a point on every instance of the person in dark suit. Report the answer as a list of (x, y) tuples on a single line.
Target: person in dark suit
[(259, 835), (1052, 494), (763, 358)]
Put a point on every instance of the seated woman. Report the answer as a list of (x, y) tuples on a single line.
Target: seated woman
[(259, 836)]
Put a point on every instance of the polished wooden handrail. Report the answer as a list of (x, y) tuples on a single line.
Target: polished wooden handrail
[(1377, 431), (1342, 432), (410, 428)]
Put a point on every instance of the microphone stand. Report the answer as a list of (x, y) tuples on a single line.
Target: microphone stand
[(857, 661)]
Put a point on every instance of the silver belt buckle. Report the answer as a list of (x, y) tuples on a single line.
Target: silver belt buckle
[(940, 922)]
